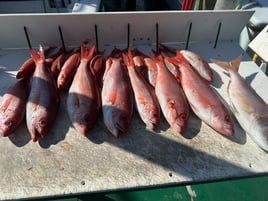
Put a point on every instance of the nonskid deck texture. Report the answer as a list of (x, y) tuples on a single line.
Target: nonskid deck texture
[(66, 162)]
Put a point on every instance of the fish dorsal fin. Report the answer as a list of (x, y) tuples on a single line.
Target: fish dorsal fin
[(229, 65)]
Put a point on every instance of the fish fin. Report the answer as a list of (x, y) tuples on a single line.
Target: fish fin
[(128, 59), (233, 64), (178, 60), (157, 59), (167, 49), (5, 104), (173, 60), (87, 54), (38, 57), (150, 64), (180, 57), (108, 64)]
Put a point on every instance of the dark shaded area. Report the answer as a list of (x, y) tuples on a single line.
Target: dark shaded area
[(130, 5)]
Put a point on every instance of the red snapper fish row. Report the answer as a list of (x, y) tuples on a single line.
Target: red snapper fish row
[(171, 82)]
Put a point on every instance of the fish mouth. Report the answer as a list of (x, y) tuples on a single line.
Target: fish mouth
[(228, 131), (119, 130), (178, 128), (81, 128), (36, 134), (3, 132)]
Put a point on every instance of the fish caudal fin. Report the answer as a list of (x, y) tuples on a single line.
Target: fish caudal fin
[(128, 59), (228, 65), (178, 60), (87, 54), (38, 57)]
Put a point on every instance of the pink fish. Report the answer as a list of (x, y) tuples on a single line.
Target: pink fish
[(57, 65), (83, 100), (27, 68), (43, 101), (146, 102), (13, 107), (202, 99), (171, 97), (68, 70), (198, 63), (117, 97), (151, 70), (97, 65), (195, 60), (248, 107)]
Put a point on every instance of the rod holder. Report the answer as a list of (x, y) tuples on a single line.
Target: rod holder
[(188, 36), (62, 39), (217, 36), (128, 35), (96, 36), (27, 37), (156, 36)]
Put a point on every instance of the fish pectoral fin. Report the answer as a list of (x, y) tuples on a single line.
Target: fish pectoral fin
[(142, 100), (5, 104)]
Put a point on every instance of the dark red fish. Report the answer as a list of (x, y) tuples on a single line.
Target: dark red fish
[(117, 97), (43, 101), (83, 100)]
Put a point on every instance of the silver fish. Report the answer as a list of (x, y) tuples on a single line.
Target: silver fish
[(248, 107)]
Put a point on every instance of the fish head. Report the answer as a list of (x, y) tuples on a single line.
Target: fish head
[(151, 115), (223, 124), (117, 121), (7, 126), (179, 124), (258, 129), (176, 117), (83, 122), (39, 128), (260, 136)]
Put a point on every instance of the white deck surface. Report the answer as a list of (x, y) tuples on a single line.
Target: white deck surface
[(66, 162)]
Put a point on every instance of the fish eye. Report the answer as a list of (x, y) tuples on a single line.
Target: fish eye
[(42, 122), (227, 118), (182, 116), (9, 123), (87, 118)]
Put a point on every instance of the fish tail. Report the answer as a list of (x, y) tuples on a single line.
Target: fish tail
[(157, 59), (128, 59), (38, 57), (178, 60), (87, 54), (229, 65)]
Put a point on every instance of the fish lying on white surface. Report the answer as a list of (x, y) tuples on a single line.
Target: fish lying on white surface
[(249, 108)]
